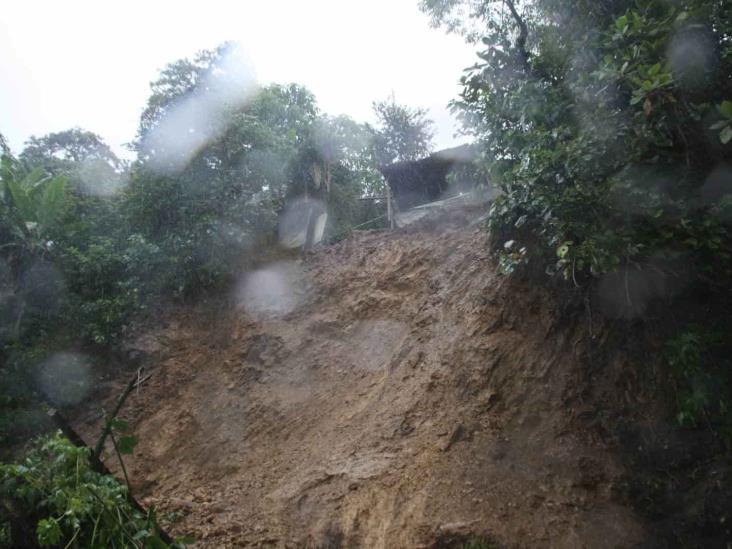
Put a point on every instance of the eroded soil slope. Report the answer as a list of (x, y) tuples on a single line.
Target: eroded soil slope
[(400, 392)]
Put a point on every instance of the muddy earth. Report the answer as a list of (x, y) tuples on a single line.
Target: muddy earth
[(392, 390)]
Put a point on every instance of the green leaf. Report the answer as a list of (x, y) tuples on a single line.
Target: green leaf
[(621, 23), (725, 135), (119, 424), (33, 181), (48, 532), (155, 542), (52, 201), (142, 534), (726, 109), (21, 200), (126, 444), (655, 69)]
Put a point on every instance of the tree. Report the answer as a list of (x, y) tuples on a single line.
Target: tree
[(402, 133), (191, 106), (63, 151), (334, 142), (336, 165), (584, 109), (209, 202), (35, 199), (81, 156), (177, 80), (32, 204), (4, 147)]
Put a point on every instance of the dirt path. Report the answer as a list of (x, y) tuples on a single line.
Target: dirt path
[(388, 391)]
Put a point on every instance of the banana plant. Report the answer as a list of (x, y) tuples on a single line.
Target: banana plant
[(31, 202), (34, 200)]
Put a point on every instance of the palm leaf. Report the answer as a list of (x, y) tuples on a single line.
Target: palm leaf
[(21, 201), (52, 201)]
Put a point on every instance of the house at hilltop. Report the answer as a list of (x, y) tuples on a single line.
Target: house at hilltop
[(417, 182)]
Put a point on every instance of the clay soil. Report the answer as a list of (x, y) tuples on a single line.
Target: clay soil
[(406, 394)]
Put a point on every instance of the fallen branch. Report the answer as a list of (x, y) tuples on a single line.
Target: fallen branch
[(142, 380), (97, 453), (121, 462)]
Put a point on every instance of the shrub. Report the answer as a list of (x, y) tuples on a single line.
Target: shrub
[(608, 127), (53, 498)]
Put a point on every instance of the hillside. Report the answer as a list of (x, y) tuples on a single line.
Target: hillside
[(333, 330), (412, 396)]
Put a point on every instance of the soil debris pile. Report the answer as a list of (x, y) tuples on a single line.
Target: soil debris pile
[(407, 393)]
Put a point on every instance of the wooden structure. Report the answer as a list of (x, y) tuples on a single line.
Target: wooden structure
[(418, 182)]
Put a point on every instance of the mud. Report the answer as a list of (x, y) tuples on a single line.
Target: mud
[(411, 395)]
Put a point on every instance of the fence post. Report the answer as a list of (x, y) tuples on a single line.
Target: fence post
[(389, 210)]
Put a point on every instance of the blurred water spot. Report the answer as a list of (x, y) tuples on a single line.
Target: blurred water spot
[(596, 104), (6, 276), (65, 378), (197, 118), (9, 302), (97, 178), (374, 344), (43, 287), (273, 291), (628, 291), (693, 56), (643, 189), (718, 186), (303, 221)]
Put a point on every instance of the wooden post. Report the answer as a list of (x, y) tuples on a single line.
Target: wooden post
[(389, 210)]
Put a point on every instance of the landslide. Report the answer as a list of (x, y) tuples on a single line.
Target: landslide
[(406, 396)]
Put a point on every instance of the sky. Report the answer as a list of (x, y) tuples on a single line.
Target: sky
[(89, 63)]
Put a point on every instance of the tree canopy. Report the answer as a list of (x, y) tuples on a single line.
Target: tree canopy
[(57, 152), (402, 133)]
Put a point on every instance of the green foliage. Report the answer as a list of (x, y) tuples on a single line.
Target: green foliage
[(596, 123), (210, 216), (402, 134), (699, 365), (81, 156), (4, 147), (724, 126), (168, 233), (62, 152), (512, 257), (54, 498), (178, 79), (32, 206), (33, 199)]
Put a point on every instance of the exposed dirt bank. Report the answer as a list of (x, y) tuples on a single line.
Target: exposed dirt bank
[(400, 391)]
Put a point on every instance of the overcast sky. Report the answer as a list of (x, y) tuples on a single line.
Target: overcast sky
[(89, 64)]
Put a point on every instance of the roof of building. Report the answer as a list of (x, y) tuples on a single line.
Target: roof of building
[(420, 181)]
